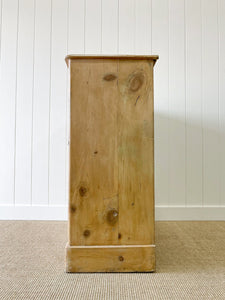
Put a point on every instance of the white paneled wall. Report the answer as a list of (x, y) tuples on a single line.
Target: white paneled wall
[(188, 36)]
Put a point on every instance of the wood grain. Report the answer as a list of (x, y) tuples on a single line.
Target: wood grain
[(135, 152), (110, 259), (108, 56), (111, 157), (93, 155)]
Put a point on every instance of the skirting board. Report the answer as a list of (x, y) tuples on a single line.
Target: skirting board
[(34, 212), (110, 258), (162, 213)]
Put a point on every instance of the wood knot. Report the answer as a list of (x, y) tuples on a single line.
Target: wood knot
[(82, 191), (112, 216), (96, 152), (109, 77), (73, 208), (119, 236), (136, 82), (121, 258), (86, 233)]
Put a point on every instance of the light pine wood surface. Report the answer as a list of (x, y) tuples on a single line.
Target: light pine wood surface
[(111, 199), (138, 258)]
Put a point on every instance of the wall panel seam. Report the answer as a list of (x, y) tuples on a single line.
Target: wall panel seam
[(218, 86), (1, 31), (32, 106), (118, 26), (49, 103), (84, 26), (185, 93), (202, 114), (15, 116), (168, 9)]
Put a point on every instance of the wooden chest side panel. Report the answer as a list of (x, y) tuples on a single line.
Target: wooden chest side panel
[(136, 152), (93, 153), (111, 152)]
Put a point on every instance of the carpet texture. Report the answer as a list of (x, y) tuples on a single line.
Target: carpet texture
[(190, 261)]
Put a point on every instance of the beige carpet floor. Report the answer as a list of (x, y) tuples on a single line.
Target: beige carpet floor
[(190, 264)]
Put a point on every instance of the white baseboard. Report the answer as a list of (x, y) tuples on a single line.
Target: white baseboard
[(162, 213), (34, 212), (190, 213)]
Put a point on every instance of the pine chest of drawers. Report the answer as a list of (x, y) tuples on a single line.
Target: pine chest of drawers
[(111, 189)]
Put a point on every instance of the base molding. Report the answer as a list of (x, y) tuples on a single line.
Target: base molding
[(190, 213), (34, 212), (122, 258)]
